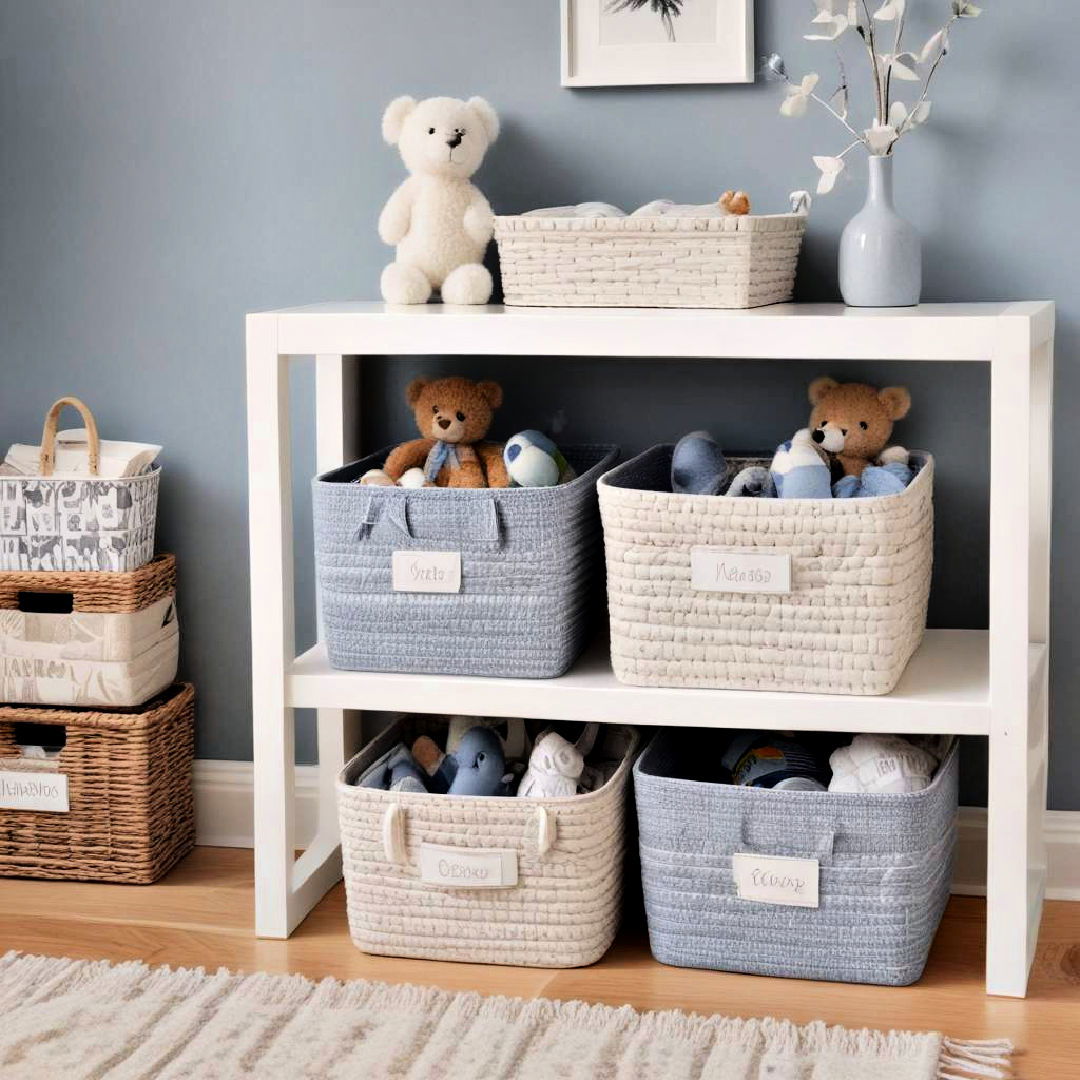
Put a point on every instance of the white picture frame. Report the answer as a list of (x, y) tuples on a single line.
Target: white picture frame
[(614, 43)]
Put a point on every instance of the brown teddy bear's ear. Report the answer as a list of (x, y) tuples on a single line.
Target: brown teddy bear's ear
[(491, 393), (414, 390), (820, 387), (896, 401)]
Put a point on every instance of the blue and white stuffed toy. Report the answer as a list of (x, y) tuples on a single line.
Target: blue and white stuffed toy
[(800, 470), (533, 460)]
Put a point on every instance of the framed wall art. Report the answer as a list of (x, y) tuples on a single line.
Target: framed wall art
[(657, 42)]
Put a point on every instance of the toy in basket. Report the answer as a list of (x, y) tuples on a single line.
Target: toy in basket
[(655, 257), (77, 520)]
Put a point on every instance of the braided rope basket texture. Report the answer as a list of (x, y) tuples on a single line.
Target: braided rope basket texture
[(564, 910), (730, 262), (132, 814), (529, 558), (885, 868), (860, 573), (104, 591)]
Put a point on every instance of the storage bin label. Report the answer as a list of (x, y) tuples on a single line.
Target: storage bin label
[(427, 571), (716, 570), (34, 791), (776, 879), (468, 868)]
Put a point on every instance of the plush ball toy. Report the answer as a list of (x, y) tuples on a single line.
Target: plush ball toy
[(853, 422), (438, 221), (533, 460), (453, 416), (698, 465)]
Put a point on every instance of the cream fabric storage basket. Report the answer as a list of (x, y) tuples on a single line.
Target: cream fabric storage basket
[(115, 646), (730, 262), (860, 581), (564, 909)]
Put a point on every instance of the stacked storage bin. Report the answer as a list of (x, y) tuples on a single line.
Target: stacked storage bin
[(96, 739)]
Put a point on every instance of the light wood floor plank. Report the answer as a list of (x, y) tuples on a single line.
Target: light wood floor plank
[(201, 916)]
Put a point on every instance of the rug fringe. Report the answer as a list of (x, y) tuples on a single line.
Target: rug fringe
[(974, 1059)]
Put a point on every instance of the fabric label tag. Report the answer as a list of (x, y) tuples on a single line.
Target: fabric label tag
[(776, 879), (34, 791), (427, 571), (716, 570), (468, 868)]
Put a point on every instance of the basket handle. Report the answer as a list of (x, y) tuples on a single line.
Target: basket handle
[(47, 458), (393, 833), (487, 524), (819, 848)]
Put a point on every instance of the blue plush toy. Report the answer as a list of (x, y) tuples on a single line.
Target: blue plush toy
[(698, 465), (533, 460), (800, 470), (479, 766)]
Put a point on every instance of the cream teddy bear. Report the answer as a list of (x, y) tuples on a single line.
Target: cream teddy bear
[(440, 223)]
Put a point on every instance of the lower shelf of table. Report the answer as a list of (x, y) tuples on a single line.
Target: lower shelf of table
[(944, 690)]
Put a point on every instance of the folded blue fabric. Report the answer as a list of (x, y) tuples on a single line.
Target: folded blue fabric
[(876, 480)]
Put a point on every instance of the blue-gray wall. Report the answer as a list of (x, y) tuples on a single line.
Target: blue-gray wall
[(167, 166)]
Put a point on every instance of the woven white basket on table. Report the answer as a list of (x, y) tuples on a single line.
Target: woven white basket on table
[(564, 909), (860, 581), (741, 261)]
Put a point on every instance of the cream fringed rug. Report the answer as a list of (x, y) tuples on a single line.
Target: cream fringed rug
[(80, 1019)]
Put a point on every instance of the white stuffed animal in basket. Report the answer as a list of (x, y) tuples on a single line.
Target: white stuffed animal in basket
[(440, 222)]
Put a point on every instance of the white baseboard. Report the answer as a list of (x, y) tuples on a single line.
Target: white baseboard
[(223, 812)]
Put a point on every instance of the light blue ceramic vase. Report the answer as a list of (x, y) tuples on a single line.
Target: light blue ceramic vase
[(880, 252)]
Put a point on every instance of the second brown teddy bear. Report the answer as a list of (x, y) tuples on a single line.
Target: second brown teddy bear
[(853, 422)]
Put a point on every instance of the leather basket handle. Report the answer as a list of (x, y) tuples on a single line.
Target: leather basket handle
[(47, 458)]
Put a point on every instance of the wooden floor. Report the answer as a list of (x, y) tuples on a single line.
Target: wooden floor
[(201, 915)]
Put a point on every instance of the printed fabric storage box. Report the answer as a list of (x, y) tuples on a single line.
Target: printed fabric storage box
[(90, 639), (114, 804), (76, 524), (815, 595), (545, 875), (873, 870), (740, 261), (478, 581)]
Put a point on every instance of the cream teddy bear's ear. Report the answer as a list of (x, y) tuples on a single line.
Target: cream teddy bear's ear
[(489, 119), (394, 118)]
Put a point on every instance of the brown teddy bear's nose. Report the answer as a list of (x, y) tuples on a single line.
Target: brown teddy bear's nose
[(444, 424)]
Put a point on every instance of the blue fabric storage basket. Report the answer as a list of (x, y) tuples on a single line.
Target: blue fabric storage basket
[(530, 562), (885, 871)]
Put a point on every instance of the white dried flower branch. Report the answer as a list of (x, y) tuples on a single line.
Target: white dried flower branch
[(892, 118)]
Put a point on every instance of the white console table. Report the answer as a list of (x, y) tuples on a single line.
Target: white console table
[(990, 683)]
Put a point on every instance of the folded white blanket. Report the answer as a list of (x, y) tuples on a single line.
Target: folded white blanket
[(885, 764), (118, 459), (582, 210)]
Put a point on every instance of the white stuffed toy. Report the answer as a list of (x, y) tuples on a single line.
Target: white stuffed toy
[(885, 764), (440, 223)]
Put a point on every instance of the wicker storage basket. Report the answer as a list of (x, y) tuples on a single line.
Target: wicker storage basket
[(91, 524), (885, 867), (116, 646), (528, 558), (129, 784), (855, 612), (567, 855), (729, 262)]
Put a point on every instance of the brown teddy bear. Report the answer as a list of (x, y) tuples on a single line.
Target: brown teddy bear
[(853, 422), (453, 416)]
